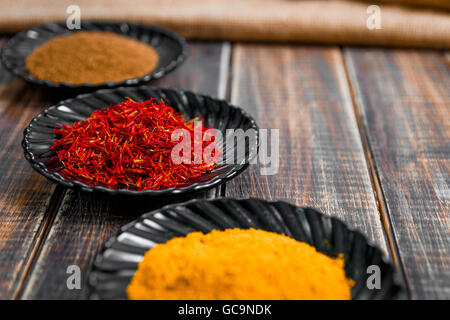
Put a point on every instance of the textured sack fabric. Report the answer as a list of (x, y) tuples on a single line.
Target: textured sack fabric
[(438, 4), (302, 21)]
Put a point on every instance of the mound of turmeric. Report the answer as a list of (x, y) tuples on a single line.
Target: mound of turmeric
[(238, 264)]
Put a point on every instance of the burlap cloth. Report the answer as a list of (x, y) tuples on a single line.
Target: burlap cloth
[(305, 21)]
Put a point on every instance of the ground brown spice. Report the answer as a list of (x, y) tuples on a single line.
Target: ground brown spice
[(238, 264), (91, 57)]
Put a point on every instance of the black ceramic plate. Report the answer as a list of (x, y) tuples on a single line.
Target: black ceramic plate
[(39, 137), (116, 263), (171, 48)]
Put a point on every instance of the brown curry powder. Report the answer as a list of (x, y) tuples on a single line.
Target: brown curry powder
[(238, 264), (91, 57)]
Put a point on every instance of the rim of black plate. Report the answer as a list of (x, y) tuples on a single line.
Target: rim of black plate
[(97, 25), (216, 180)]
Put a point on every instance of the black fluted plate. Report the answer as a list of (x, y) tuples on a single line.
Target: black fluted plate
[(218, 114), (117, 262), (171, 48)]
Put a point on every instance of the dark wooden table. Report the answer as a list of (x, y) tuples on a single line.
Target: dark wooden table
[(364, 135)]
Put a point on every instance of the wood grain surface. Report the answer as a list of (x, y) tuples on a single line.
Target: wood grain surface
[(364, 136), (24, 194), (303, 92), (85, 221), (4, 75), (404, 100)]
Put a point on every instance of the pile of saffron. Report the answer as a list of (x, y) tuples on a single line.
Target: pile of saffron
[(127, 146)]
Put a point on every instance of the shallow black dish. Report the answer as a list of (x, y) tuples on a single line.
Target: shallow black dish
[(171, 48), (218, 114), (117, 262)]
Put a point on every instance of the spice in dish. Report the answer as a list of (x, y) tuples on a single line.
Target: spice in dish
[(91, 57), (128, 146), (238, 264)]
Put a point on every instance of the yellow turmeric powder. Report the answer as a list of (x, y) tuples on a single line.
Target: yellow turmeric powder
[(238, 264)]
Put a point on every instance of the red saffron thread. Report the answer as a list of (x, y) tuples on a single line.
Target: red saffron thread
[(127, 146)]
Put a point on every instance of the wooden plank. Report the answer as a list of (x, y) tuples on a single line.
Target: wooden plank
[(25, 196), (85, 221), (404, 98), (5, 76), (303, 92)]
